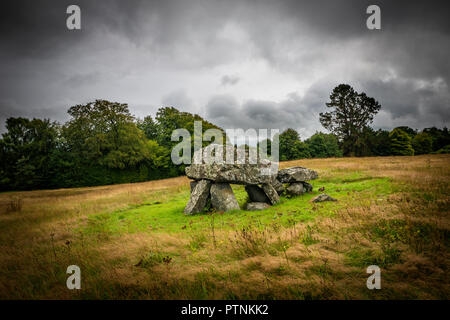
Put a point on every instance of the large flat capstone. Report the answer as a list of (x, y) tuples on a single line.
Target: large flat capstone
[(225, 164)]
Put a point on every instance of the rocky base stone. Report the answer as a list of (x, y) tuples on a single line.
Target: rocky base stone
[(222, 197), (256, 206), (323, 197), (199, 196)]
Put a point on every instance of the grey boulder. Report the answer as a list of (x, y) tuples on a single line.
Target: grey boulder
[(278, 186), (295, 189), (256, 206), (199, 196), (296, 174), (323, 197), (256, 194), (222, 197), (307, 186)]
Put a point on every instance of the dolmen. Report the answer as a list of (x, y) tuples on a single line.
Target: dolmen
[(215, 167)]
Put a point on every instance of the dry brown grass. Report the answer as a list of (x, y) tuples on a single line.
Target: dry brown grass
[(407, 232)]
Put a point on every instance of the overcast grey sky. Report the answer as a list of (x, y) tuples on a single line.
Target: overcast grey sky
[(239, 64)]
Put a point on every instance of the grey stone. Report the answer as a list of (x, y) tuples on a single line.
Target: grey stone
[(323, 197), (224, 164), (271, 193), (222, 197), (199, 197), (296, 174), (278, 186), (295, 189), (256, 194), (307, 186), (256, 206)]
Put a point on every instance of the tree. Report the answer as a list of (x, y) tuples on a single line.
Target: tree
[(322, 145), (104, 133), (168, 119), (287, 140), (422, 143), (351, 113), (300, 150), (410, 131), (441, 137), (26, 149), (400, 143), (149, 127), (375, 143)]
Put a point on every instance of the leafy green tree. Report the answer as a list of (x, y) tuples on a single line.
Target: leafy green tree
[(400, 143), (26, 150), (149, 127), (322, 145), (104, 133), (441, 137), (375, 143), (169, 118), (444, 150), (287, 140), (300, 150), (351, 113), (422, 143), (410, 131)]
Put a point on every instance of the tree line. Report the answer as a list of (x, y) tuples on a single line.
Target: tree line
[(102, 143), (348, 122)]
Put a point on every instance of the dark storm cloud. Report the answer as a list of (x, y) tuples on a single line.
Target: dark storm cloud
[(299, 113), (153, 52)]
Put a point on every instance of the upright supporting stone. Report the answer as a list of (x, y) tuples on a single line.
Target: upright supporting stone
[(199, 197), (222, 197), (256, 194), (193, 184), (271, 193)]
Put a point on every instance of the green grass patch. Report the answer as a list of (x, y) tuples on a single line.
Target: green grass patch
[(362, 258), (166, 215)]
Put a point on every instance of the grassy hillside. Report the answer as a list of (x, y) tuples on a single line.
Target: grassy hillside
[(133, 241)]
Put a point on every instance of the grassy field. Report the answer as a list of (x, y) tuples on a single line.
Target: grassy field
[(132, 241)]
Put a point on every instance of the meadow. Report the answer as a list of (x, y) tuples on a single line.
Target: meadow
[(132, 241)]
